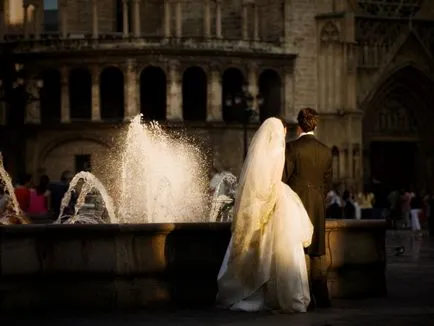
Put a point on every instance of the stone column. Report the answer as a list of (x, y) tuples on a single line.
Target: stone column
[(286, 23), (136, 18), (206, 19), (255, 22), (342, 164), (178, 18), (174, 92), (125, 18), (65, 105), (95, 19), (63, 18), (33, 107), (214, 94), (38, 20), (244, 22), (288, 94), (26, 21), (96, 96), (218, 19), (252, 78), (350, 159), (131, 91), (167, 25)]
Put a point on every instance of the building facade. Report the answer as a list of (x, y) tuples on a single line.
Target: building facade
[(366, 65)]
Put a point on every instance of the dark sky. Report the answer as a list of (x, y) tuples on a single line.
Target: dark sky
[(50, 4)]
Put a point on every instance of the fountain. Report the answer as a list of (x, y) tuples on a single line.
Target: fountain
[(143, 249), (162, 177), (12, 213), (88, 184), (223, 198), (161, 180)]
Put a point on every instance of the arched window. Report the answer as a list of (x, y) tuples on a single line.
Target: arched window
[(51, 16)]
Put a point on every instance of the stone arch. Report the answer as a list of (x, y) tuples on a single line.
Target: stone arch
[(50, 96), (270, 88), (112, 94), (63, 151), (153, 93), (329, 33), (233, 82), (80, 94), (194, 94), (385, 77), (398, 133)]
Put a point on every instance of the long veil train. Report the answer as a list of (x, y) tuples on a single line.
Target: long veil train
[(264, 265)]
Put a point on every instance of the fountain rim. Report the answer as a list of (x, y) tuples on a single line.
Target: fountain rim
[(331, 224)]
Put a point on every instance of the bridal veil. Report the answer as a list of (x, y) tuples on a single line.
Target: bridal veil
[(247, 267)]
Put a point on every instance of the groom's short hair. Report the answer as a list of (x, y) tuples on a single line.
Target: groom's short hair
[(307, 119)]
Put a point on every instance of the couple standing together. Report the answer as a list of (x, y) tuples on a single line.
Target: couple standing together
[(279, 214)]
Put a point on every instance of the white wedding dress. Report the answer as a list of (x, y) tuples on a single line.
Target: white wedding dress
[(264, 266)]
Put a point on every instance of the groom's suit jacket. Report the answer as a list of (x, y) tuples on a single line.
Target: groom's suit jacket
[(308, 171)]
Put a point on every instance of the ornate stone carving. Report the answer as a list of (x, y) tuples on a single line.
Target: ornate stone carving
[(395, 119), (376, 38), (379, 31), (329, 33), (426, 35), (389, 8)]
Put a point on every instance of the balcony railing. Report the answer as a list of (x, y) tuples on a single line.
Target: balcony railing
[(47, 42)]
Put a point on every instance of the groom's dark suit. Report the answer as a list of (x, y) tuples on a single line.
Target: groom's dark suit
[(308, 171)]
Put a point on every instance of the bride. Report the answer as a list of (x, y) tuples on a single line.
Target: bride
[(264, 266)]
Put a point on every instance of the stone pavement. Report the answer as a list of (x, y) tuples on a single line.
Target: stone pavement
[(410, 301)]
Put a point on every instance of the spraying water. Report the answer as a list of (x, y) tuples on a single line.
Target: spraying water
[(87, 183), (162, 177), (13, 211)]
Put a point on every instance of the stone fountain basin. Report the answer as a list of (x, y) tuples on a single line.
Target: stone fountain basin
[(133, 266)]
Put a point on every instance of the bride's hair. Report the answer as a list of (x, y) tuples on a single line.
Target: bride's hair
[(307, 119)]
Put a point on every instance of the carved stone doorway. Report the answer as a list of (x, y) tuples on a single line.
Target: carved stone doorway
[(394, 163), (398, 132)]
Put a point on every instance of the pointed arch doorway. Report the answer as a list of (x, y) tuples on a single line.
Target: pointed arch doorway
[(398, 132)]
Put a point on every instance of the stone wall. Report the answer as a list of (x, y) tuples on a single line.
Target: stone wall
[(132, 266), (54, 151)]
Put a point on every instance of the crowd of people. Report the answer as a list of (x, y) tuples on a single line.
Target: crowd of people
[(39, 198), (402, 208)]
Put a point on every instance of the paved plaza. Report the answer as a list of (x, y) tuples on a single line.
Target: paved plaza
[(410, 301)]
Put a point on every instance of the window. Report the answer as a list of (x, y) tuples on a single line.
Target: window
[(51, 16), (83, 163)]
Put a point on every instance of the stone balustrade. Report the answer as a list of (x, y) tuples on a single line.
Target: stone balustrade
[(133, 266), (55, 42)]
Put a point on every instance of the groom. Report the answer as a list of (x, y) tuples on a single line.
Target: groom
[(308, 171)]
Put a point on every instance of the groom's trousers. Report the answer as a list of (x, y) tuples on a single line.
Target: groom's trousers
[(318, 281)]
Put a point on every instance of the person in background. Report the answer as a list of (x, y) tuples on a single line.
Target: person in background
[(349, 208), (431, 215), (58, 190), (380, 203), (365, 200), (40, 197), (395, 207), (406, 198), (333, 205), (416, 205), (22, 192)]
